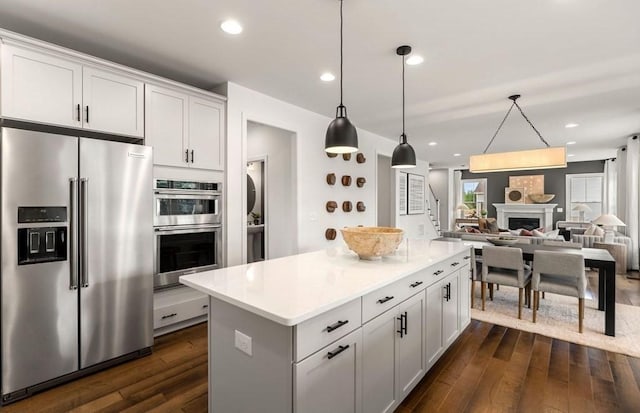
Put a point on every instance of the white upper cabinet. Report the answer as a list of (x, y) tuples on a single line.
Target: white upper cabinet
[(166, 125), (112, 103), (183, 129), (205, 133), (40, 87), (48, 88)]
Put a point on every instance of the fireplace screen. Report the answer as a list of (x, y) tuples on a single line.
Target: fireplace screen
[(526, 223)]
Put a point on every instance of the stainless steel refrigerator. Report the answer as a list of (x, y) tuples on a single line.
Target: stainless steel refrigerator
[(77, 257)]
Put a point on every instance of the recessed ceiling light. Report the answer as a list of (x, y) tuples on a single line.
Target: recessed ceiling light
[(571, 125), (433, 143), (456, 154), (571, 143), (327, 77), (231, 27), (570, 155), (415, 60)]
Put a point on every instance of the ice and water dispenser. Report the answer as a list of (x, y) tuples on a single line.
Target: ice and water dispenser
[(41, 242)]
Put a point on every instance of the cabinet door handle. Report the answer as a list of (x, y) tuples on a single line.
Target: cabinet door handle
[(78, 112), (401, 331), (339, 350), (406, 321), (87, 109), (336, 325), (446, 292), (453, 264), (438, 272), (415, 284), (385, 299), (186, 155), (191, 155), (164, 317)]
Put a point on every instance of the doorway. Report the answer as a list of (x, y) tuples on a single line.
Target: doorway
[(385, 201), (271, 164)]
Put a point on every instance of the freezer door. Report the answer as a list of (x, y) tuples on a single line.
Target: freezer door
[(116, 239), (39, 299)]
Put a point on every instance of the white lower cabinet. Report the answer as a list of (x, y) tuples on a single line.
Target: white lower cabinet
[(393, 354), (330, 380), (465, 296), (442, 316)]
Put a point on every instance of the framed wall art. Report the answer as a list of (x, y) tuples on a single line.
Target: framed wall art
[(402, 193)]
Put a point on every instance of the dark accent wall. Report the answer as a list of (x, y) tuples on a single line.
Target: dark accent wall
[(554, 183)]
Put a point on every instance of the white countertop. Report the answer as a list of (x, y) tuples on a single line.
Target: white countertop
[(293, 289)]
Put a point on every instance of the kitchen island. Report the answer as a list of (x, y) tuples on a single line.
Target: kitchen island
[(316, 332)]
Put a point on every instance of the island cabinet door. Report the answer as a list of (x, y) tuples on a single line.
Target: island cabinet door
[(450, 309), (330, 380), (464, 295), (410, 355), (433, 338), (379, 363)]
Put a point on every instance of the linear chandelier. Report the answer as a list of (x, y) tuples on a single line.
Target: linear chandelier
[(549, 157)]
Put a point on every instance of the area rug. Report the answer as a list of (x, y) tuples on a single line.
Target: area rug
[(558, 318)]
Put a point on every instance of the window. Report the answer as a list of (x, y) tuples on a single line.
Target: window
[(584, 190), (474, 196)]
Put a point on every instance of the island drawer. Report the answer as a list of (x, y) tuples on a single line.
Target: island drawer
[(381, 300), (180, 311), (324, 329), (446, 267)]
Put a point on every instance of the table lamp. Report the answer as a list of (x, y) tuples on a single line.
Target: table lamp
[(609, 222), (462, 208), (581, 208)]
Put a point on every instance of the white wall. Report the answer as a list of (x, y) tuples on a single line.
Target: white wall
[(278, 147), (385, 188), (312, 166)]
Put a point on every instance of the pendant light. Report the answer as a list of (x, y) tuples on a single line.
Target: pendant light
[(403, 155), (341, 134), (549, 157)]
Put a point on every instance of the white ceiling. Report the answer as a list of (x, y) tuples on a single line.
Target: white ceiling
[(572, 60)]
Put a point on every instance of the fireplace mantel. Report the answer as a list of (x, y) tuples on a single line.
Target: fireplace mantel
[(542, 211)]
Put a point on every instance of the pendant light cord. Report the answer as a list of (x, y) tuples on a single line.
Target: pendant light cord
[(403, 136), (341, 3), (501, 123)]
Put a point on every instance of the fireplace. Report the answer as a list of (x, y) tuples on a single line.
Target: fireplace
[(542, 212), (526, 223)]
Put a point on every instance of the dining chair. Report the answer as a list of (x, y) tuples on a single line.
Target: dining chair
[(559, 273), (504, 265)]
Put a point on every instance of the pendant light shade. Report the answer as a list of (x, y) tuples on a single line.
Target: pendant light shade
[(342, 136), (403, 155)]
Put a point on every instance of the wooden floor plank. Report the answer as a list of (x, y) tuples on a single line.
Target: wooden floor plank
[(532, 398)]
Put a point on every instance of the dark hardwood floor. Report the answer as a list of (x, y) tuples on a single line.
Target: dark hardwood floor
[(488, 369)]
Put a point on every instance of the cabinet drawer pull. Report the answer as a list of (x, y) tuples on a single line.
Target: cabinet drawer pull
[(453, 264), (164, 317), (438, 272), (334, 353), (336, 325), (205, 306), (466, 257), (415, 284), (385, 299)]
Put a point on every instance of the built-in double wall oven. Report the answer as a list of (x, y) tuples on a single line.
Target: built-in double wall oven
[(188, 229)]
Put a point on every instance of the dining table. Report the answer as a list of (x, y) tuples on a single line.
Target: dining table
[(597, 258)]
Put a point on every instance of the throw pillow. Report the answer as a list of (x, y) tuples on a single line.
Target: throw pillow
[(492, 225), (552, 234), (472, 230), (525, 233), (515, 232), (482, 224), (537, 233), (591, 230), (599, 232)]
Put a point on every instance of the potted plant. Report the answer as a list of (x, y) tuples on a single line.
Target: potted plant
[(483, 213), (256, 218)]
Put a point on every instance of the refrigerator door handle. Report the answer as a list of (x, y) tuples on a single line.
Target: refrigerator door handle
[(73, 241), (84, 223)]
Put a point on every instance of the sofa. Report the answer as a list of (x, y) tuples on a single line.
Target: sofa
[(484, 236), (577, 230)]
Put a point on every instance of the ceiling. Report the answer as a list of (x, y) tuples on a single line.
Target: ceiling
[(572, 61)]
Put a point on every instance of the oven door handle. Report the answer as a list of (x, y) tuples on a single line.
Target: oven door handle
[(186, 229), (187, 194)]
